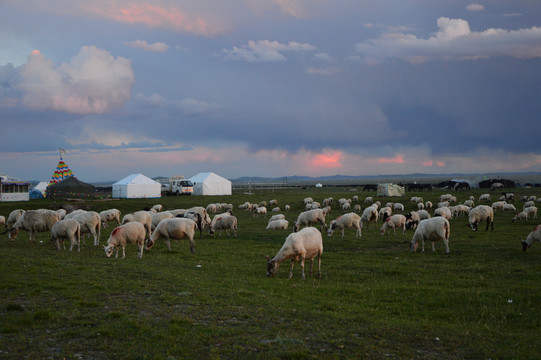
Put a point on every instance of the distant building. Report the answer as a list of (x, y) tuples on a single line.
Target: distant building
[(13, 189)]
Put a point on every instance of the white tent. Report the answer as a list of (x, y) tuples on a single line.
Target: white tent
[(137, 186), (38, 192), (389, 189), (210, 184)]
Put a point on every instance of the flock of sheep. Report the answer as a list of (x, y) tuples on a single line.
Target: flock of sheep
[(143, 228)]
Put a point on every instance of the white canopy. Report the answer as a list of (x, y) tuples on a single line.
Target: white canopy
[(137, 186), (210, 184)]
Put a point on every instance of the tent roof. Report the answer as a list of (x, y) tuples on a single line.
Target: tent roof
[(61, 172), (136, 179), (201, 177), (71, 182), (41, 186), (10, 180)]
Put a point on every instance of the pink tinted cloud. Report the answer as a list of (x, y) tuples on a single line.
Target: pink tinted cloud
[(398, 159), (155, 15), (328, 160)]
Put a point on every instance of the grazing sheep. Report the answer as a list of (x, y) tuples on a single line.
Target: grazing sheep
[(498, 205), (428, 205), (484, 198), (460, 210), (175, 228), (287, 208), (247, 206), (13, 217), (532, 212), (62, 213), (469, 203), (385, 212), (205, 218), (443, 212), (393, 222), (90, 224), (273, 202), (509, 207), (420, 206), (33, 221), (276, 209), (445, 197), (66, 229), (433, 229), (349, 220), (260, 210), (211, 208), (479, 214), (370, 214), (423, 214), (225, 222), (303, 245), (346, 207), (310, 217), (523, 215), (278, 224), (357, 208), (73, 213), (132, 232), (156, 218), (142, 217), (109, 215), (307, 200), (3, 220), (277, 217), (412, 219), (398, 207), (157, 207), (369, 200), (195, 217), (528, 204), (535, 235)]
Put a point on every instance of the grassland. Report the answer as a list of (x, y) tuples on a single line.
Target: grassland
[(375, 298)]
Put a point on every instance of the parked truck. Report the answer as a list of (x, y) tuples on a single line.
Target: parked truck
[(177, 186)]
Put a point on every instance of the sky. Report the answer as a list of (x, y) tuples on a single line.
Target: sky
[(269, 88)]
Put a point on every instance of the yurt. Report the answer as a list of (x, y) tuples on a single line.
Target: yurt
[(210, 184), (137, 186), (13, 189), (70, 187), (38, 192)]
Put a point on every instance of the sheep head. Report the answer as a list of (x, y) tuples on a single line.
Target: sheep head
[(109, 250), (525, 245), (272, 267)]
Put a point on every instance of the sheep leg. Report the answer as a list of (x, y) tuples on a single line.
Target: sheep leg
[(319, 265), (291, 270), (311, 266), (342, 233), (192, 246), (168, 243), (302, 267), (140, 248), (423, 245), (433, 247), (123, 252), (446, 242)]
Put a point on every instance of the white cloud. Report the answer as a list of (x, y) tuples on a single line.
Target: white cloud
[(93, 82), (322, 71), (266, 51), (188, 106), (453, 40), (143, 45), (475, 7)]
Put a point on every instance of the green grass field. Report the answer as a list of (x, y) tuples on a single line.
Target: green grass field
[(375, 299)]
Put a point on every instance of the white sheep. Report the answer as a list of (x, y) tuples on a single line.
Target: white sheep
[(412, 219), (420, 206), (523, 215), (394, 222), (398, 207), (479, 214), (277, 217), (428, 205), (278, 224), (528, 204), (349, 220), (385, 212), (273, 202), (535, 235), (2, 220), (498, 205), (485, 198), (90, 224), (225, 222), (247, 206), (509, 207), (423, 214), (370, 214), (445, 197), (175, 228), (287, 208), (346, 207), (369, 200), (357, 208), (132, 232), (205, 218), (142, 217), (157, 207), (532, 212), (13, 217), (109, 215), (276, 209), (303, 245), (443, 212), (211, 208), (69, 229), (156, 218), (469, 203), (260, 210), (433, 229), (34, 221), (310, 217), (62, 213), (73, 213)]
